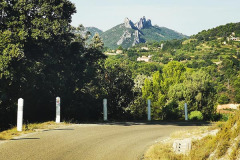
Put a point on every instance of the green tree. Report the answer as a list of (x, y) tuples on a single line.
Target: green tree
[(120, 47), (172, 74), (198, 91), (117, 86), (40, 58), (223, 99), (237, 90)]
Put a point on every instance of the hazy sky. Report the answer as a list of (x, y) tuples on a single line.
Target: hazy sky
[(185, 16)]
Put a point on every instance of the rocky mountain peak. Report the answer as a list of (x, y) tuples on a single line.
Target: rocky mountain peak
[(143, 23), (128, 23), (128, 34)]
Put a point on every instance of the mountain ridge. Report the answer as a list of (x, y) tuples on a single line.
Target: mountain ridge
[(129, 34)]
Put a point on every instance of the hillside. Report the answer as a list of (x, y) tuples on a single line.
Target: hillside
[(112, 36), (93, 31), (219, 58), (129, 34), (156, 33), (220, 31), (213, 48)]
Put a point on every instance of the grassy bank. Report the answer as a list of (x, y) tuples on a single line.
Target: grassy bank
[(224, 145), (29, 128)]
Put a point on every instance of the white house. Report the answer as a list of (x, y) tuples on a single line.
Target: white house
[(144, 58), (233, 38), (119, 51), (145, 48)]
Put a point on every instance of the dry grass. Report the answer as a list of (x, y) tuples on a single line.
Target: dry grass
[(190, 133), (224, 145), (29, 128), (163, 150)]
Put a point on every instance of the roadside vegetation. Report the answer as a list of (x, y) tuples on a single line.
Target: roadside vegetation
[(223, 144), (29, 128), (41, 58)]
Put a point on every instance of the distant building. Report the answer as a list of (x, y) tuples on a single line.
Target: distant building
[(145, 48), (234, 38), (111, 54), (217, 63), (119, 51), (144, 58)]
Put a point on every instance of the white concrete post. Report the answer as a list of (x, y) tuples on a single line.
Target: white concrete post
[(149, 110), (186, 112), (20, 114), (58, 110), (105, 109)]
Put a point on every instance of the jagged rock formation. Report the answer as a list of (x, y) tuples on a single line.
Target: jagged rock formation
[(125, 36), (143, 23), (128, 23), (137, 38), (129, 34)]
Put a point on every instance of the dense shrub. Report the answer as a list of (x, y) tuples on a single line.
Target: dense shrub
[(223, 99), (196, 115)]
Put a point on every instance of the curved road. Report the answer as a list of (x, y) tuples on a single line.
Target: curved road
[(118, 141)]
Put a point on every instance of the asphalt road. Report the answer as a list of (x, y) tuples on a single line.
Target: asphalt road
[(118, 141)]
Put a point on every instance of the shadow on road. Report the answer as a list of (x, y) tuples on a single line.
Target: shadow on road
[(156, 123), (66, 129), (58, 129), (24, 139)]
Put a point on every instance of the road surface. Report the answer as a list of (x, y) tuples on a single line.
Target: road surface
[(116, 141)]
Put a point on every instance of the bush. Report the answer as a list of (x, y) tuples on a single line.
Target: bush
[(224, 117), (223, 99), (196, 115)]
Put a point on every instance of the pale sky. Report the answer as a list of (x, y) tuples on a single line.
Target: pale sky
[(184, 16)]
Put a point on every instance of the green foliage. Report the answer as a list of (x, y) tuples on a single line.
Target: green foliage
[(117, 86), (135, 67), (93, 31), (223, 99), (237, 90), (220, 31), (224, 117), (172, 74), (120, 47), (174, 87), (171, 45), (41, 59), (196, 115), (137, 108), (96, 42), (112, 36), (132, 55), (156, 33), (171, 111)]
